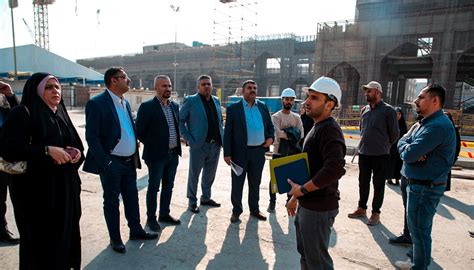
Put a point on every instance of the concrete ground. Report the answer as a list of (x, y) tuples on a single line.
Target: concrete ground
[(209, 241)]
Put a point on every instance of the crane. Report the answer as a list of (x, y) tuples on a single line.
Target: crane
[(40, 10)]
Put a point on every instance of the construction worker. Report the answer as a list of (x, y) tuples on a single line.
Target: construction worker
[(288, 133)]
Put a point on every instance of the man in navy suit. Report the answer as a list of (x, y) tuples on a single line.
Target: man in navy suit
[(200, 122), (113, 154), (248, 134), (157, 129)]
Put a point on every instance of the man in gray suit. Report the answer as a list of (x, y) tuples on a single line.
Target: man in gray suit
[(200, 123)]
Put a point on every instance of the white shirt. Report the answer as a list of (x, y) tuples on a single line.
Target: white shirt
[(281, 121)]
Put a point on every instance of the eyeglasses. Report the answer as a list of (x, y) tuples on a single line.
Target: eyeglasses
[(121, 77)]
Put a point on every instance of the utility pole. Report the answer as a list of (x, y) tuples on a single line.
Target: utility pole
[(175, 64), (13, 4)]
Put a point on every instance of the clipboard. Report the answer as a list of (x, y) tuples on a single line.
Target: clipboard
[(295, 167)]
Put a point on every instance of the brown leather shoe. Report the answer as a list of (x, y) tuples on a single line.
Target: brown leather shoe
[(374, 219), (360, 212)]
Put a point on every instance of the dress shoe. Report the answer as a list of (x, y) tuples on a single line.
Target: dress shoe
[(7, 237), (401, 240), (211, 203), (118, 246), (360, 212), (169, 219), (258, 215), (234, 218), (194, 208), (271, 207), (153, 225), (374, 219), (143, 236)]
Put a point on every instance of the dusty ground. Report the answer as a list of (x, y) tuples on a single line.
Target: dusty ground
[(209, 241)]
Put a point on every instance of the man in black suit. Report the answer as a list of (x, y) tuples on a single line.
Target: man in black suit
[(9, 101), (248, 134), (157, 129), (113, 154)]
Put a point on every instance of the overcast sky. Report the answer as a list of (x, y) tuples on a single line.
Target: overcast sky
[(92, 28)]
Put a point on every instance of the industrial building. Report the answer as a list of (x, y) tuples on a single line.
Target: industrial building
[(279, 61), (400, 43)]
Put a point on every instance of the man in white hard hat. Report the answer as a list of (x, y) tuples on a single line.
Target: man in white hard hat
[(288, 133), (378, 131), (318, 199)]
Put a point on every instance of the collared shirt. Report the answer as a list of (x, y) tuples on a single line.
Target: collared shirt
[(254, 123), (168, 111), (378, 129), (212, 120), (435, 139), (128, 143), (281, 121)]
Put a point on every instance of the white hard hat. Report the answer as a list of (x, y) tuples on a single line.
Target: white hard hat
[(326, 85), (288, 92)]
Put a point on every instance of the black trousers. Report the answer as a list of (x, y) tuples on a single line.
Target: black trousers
[(372, 166), (253, 166), (403, 188)]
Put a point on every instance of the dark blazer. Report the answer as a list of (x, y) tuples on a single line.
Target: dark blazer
[(153, 131), (103, 133), (235, 132)]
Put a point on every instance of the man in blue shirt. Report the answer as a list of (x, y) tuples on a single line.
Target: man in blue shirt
[(427, 153), (248, 134)]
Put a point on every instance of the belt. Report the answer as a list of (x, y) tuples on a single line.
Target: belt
[(425, 183), (211, 141), (122, 158), (254, 146)]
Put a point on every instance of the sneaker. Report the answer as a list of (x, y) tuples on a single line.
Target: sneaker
[(271, 207), (374, 219), (403, 264), (360, 212), (401, 240)]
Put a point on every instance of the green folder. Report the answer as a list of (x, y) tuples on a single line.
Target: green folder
[(294, 167)]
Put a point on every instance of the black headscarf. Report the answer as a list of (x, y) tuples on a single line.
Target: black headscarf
[(40, 113)]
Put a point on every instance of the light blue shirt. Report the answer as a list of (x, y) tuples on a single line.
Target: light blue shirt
[(128, 143), (254, 123), (435, 139)]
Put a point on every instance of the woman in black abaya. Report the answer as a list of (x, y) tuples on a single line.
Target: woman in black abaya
[(47, 196), (395, 162)]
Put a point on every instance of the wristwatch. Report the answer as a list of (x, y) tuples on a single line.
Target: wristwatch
[(303, 190)]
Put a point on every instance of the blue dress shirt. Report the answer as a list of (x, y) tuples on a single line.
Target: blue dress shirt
[(128, 143), (254, 123)]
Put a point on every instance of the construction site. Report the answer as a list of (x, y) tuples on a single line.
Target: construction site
[(403, 44)]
